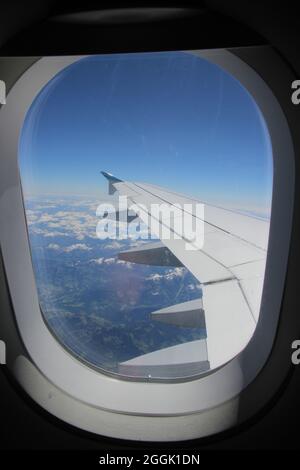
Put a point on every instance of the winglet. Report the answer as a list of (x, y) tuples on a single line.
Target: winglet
[(111, 180)]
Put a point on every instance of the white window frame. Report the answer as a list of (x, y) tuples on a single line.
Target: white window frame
[(94, 401)]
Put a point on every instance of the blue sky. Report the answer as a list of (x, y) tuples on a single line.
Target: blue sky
[(170, 118)]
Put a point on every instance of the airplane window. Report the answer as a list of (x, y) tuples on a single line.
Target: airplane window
[(147, 183)]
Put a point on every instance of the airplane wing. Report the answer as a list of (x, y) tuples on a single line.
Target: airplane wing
[(230, 266)]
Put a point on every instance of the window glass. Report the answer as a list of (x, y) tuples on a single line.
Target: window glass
[(170, 121)]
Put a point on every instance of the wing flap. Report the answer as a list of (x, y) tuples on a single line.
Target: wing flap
[(152, 254), (230, 323), (186, 314), (182, 360)]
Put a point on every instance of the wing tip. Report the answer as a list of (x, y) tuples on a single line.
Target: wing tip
[(111, 178)]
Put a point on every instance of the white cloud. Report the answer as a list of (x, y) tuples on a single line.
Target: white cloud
[(78, 223), (53, 234), (176, 272), (44, 206), (97, 260), (54, 246), (68, 249), (155, 277), (114, 245), (104, 260), (194, 287), (108, 261), (77, 246), (171, 274)]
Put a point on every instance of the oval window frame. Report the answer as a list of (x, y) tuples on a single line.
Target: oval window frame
[(207, 404)]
